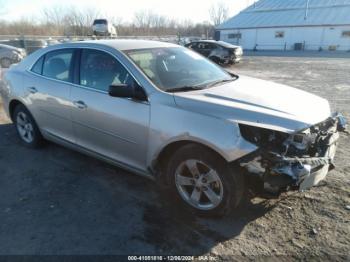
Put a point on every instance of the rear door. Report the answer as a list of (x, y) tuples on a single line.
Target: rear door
[(116, 128), (204, 48), (49, 92)]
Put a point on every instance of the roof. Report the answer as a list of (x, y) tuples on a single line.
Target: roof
[(281, 13), (127, 44)]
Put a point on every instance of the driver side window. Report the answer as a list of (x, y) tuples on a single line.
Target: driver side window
[(99, 70)]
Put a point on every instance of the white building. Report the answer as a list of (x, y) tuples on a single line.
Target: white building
[(290, 25)]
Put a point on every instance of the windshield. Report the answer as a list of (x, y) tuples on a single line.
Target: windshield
[(177, 68), (100, 21)]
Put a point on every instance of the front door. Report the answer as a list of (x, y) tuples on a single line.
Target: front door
[(116, 128)]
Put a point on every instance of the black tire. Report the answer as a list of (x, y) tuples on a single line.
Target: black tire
[(37, 139), (232, 182), (5, 62)]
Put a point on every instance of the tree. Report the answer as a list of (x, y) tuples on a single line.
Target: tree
[(218, 13)]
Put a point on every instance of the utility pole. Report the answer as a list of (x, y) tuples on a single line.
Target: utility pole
[(306, 9)]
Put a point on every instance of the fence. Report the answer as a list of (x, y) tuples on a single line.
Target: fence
[(34, 42)]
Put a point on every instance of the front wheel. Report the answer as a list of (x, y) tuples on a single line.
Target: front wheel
[(203, 181), (5, 62)]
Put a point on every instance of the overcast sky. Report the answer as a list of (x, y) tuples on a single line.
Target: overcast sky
[(195, 10)]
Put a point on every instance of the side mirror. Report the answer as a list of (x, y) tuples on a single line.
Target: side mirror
[(121, 90), (127, 91)]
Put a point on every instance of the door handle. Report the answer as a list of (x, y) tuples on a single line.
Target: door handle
[(80, 104), (32, 90)]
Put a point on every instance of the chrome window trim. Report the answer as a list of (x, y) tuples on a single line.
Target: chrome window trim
[(85, 87), (42, 67)]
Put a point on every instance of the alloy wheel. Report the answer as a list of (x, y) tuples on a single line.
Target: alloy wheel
[(25, 127), (199, 185)]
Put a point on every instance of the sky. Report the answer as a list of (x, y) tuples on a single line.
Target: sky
[(195, 10)]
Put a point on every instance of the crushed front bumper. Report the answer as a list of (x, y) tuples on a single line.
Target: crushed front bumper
[(280, 172), (302, 172)]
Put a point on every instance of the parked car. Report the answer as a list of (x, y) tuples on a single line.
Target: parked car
[(102, 27), (33, 45), (10, 55), (218, 51), (167, 113), (29, 45)]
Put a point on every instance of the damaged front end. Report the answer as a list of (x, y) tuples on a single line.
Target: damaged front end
[(293, 161)]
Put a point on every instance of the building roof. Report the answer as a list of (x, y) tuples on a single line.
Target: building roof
[(281, 13)]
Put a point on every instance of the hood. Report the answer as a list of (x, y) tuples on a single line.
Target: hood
[(9, 47), (259, 103)]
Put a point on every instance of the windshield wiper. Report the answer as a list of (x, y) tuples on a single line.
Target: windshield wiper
[(183, 89), (221, 82), (201, 86)]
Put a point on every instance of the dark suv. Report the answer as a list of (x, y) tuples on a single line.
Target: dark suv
[(218, 51)]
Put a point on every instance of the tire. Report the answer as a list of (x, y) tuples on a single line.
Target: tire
[(26, 127), (214, 176), (5, 62)]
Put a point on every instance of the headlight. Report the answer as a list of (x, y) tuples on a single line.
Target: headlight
[(262, 136), (15, 54), (238, 51)]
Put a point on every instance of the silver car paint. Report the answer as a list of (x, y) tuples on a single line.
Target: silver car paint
[(107, 129), (258, 103)]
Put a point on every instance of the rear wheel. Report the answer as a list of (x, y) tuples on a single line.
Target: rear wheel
[(203, 181), (26, 127)]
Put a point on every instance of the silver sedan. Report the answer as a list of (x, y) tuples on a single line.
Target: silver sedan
[(167, 113)]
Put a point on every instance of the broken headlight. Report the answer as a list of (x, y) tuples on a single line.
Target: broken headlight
[(279, 142), (263, 137)]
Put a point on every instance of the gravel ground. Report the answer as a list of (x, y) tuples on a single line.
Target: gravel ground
[(58, 202)]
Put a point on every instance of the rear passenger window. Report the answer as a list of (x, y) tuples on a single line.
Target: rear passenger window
[(38, 66), (99, 70), (57, 65)]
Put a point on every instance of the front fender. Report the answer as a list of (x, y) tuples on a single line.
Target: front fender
[(220, 135)]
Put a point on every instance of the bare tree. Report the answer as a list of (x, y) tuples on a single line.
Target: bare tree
[(72, 21), (69, 20), (218, 13), (149, 22)]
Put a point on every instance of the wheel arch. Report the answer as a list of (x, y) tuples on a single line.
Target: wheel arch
[(12, 106), (160, 161)]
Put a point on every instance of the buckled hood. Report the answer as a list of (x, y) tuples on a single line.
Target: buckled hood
[(258, 103)]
